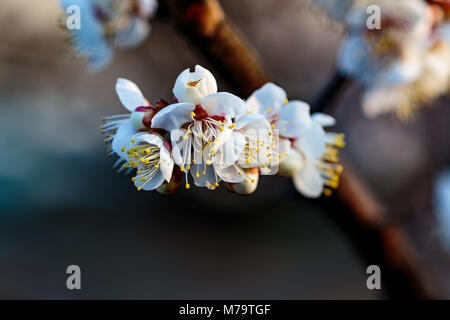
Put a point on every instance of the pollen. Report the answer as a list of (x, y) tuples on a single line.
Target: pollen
[(193, 83), (187, 186)]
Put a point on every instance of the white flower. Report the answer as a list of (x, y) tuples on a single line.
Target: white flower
[(405, 64), (306, 153), (150, 155), (199, 129), (106, 24), (318, 170)]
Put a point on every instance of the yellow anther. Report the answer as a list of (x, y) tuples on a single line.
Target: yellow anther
[(193, 114), (253, 180), (269, 109), (182, 169), (216, 184), (327, 192), (286, 100), (187, 186), (193, 83), (156, 166), (133, 179), (123, 149), (193, 161), (124, 165), (132, 140), (189, 131), (204, 172), (139, 171), (272, 126), (208, 162), (139, 188), (285, 154), (212, 150), (221, 128), (197, 175), (270, 133), (188, 167), (147, 151), (247, 180), (185, 137), (248, 160)]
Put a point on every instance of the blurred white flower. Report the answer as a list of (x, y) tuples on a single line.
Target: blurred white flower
[(405, 64), (107, 24)]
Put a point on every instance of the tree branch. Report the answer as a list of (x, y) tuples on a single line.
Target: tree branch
[(204, 23)]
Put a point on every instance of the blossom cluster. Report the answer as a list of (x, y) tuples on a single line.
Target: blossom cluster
[(105, 25), (205, 137), (405, 63)]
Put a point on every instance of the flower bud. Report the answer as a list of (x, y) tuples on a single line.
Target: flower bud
[(141, 117), (291, 164), (249, 185)]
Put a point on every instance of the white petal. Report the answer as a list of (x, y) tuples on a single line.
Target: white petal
[(312, 143), (133, 35), (173, 116), (205, 84), (296, 115), (308, 181), (232, 174), (150, 139), (152, 184), (230, 151), (166, 164), (252, 121), (123, 138), (129, 94), (203, 180), (268, 96), (223, 104), (323, 119)]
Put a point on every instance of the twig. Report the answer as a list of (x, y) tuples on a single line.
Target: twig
[(330, 93), (204, 23)]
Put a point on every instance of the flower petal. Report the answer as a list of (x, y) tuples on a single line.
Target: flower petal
[(151, 184), (312, 143), (129, 94), (173, 116), (123, 138), (203, 180), (268, 96), (297, 118), (323, 119), (308, 180), (232, 174), (193, 86), (133, 34), (223, 104), (228, 154), (166, 164)]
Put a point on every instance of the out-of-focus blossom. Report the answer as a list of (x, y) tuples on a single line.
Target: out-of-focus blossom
[(442, 205), (403, 65), (306, 152), (108, 24)]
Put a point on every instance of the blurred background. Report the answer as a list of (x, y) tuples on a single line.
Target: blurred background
[(61, 203)]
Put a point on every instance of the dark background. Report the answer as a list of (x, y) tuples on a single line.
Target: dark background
[(61, 203)]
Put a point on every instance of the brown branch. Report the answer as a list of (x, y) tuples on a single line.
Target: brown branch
[(204, 23)]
